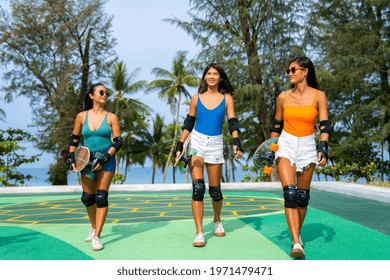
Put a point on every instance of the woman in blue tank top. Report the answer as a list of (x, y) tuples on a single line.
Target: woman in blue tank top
[(97, 126), (204, 121)]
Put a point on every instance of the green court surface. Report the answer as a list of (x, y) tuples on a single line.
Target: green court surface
[(158, 226)]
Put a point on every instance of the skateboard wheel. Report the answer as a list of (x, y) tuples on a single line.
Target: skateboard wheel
[(274, 147), (267, 169)]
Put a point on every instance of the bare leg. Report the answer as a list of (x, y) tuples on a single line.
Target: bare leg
[(304, 181), (196, 168), (287, 177), (104, 179), (89, 186), (214, 175)]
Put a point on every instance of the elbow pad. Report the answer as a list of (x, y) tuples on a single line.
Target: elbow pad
[(74, 140), (233, 125), (189, 123), (325, 127), (118, 143), (277, 126)]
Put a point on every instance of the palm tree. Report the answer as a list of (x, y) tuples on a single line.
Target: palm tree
[(2, 115), (156, 145), (171, 87), (131, 112)]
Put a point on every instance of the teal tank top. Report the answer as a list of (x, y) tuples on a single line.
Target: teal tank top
[(98, 139)]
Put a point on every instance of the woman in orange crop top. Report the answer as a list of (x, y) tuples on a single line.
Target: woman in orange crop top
[(296, 114)]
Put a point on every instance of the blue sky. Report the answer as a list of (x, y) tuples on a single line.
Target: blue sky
[(144, 41)]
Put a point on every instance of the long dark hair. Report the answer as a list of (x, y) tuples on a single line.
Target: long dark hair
[(88, 104), (224, 86), (305, 62)]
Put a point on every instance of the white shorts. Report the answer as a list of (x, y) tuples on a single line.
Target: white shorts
[(210, 148), (301, 151)]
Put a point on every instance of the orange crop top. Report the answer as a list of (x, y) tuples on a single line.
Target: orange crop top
[(300, 120)]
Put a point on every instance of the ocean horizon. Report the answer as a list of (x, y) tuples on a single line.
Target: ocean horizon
[(143, 175), (135, 175)]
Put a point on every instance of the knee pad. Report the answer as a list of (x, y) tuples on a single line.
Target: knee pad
[(215, 193), (290, 194), (101, 199), (88, 199), (198, 189), (303, 198)]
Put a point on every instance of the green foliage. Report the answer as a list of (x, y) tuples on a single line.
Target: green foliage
[(351, 39), (153, 144), (132, 115), (342, 170), (53, 50), (56, 172), (12, 156), (254, 175), (171, 86), (119, 178)]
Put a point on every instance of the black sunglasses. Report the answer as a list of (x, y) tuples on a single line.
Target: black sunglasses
[(293, 69), (102, 92)]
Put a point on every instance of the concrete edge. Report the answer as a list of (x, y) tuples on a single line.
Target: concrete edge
[(357, 190)]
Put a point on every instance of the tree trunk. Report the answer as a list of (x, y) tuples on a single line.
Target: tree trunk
[(153, 173), (174, 141)]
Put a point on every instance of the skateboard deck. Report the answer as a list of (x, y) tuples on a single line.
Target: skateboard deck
[(185, 145), (264, 156), (82, 156)]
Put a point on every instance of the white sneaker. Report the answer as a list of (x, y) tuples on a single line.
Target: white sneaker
[(199, 240), (90, 235), (218, 229), (300, 241), (96, 244), (297, 251)]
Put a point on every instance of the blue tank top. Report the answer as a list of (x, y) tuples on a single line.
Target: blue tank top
[(98, 139), (209, 122)]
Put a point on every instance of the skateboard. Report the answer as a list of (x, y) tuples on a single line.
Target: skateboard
[(82, 156), (264, 156)]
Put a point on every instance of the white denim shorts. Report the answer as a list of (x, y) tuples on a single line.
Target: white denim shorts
[(301, 151), (210, 148)]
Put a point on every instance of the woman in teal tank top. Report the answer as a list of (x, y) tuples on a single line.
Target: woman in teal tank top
[(97, 126)]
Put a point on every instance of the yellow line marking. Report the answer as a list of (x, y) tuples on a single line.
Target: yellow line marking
[(115, 221), (251, 199), (170, 205), (227, 203), (128, 198), (162, 214), (235, 213), (175, 198), (262, 207), (56, 206), (134, 210), (147, 201), (43, 203), (112, 205), (70, 210)]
